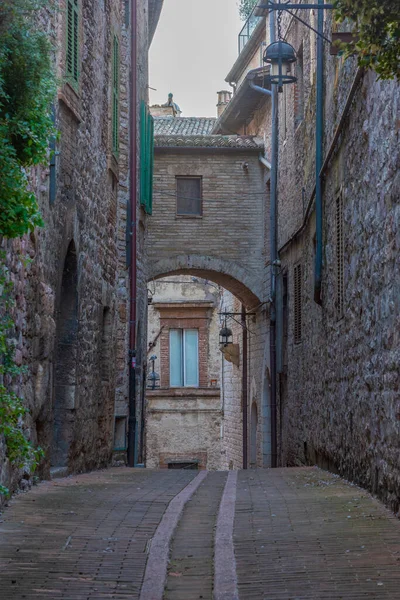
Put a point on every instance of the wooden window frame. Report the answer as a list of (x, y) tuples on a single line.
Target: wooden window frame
[(183, 345), (72, 43), (183, 216)]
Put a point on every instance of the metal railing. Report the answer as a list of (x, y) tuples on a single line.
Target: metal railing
[(248, 29)]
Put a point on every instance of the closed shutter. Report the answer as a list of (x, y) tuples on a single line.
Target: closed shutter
[(73, 40), (339, 256), (115, 97), (297, 304), (146, 158), (188, 196)]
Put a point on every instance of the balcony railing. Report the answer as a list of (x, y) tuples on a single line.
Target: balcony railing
[(248, 29)]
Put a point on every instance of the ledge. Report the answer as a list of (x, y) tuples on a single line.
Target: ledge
[(184, 392)]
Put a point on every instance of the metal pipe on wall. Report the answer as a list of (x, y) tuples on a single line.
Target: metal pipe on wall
[(244, 387), (318, 155), (133, 267), (274, 254)]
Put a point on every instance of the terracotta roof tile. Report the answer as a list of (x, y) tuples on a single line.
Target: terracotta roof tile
[(246, 142), (183, 125)]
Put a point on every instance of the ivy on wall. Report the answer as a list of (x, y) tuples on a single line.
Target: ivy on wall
[(376, 29), (27, 88)]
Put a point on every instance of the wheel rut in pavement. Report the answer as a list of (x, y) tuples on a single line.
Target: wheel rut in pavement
[(191, 568)]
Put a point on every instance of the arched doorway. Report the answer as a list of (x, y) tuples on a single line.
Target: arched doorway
[(65, 373), (253, 435)]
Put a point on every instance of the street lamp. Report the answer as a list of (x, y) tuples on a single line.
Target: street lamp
[(225, 336), (280, 55), (153, 378)]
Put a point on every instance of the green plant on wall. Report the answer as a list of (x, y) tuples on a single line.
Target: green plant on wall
[(27, 88), (20, 451), (245, 8), (376, 29)]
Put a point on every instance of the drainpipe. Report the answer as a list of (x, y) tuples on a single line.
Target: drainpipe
[(273, 242), (133, 273), (274, 255), (318, 155), (244, 386)]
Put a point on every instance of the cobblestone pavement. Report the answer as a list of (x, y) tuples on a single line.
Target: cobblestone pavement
[(84, 537), (298, 534)]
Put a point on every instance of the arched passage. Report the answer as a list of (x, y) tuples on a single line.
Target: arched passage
[(65, 378), (241, 282)]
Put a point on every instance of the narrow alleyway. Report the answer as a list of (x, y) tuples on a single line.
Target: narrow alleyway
[(296, 534)]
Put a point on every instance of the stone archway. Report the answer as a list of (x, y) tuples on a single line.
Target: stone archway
[(242, 283), (65, 378)]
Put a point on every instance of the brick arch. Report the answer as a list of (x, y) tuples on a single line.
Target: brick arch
[(242, 283)]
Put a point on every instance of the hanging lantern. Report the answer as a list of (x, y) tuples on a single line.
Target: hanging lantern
[(225, 336), (280, 55)]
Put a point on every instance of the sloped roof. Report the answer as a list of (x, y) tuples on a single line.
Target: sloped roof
[(183, 125), (236, 142)]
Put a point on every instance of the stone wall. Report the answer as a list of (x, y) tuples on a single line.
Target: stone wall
[(74, 290), (227, 242), (184, 424), (340, 389)]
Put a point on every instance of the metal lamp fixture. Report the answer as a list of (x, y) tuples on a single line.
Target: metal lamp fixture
[(280, 55), (225, 336), (154, 378)]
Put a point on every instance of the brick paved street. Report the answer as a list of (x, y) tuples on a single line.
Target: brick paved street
[(297, 534)]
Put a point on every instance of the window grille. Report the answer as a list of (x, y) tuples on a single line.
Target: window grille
[(188, 196), (72, 40), (297, 304), (339, 256), (115, 97)]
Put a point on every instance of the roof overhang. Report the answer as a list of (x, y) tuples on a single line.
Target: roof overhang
[(242, 61), (155, 7), (207, 144), (242, 107)]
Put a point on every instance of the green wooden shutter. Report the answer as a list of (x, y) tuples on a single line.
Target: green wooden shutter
[(146, 158), (115, 97), (73, 41)]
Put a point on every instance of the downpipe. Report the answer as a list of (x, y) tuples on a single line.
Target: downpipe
[(318, 156), (132, 421)]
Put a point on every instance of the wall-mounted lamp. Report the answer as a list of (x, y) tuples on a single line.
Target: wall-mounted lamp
[(154, 378), (225, 336), (280, 55)]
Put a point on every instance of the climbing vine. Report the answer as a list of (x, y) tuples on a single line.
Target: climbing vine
[(376, 29), (27, 88), (20, 451)]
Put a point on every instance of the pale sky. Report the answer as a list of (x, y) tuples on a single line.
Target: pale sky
[(193, 50)]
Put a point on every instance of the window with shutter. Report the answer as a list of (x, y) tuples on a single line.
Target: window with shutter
[(146, 158), (339, 256), (115, 97), (72, 62), (184, 357), (297, 304), (189, 196)]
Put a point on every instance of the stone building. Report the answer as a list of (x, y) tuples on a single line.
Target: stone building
[(72, 297), (338, 376), (208, 221), (184, 411)]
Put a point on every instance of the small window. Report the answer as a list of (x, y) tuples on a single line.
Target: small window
[(184, 358), (297, 304), (72, 41), (189, 196), (339, 256)]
